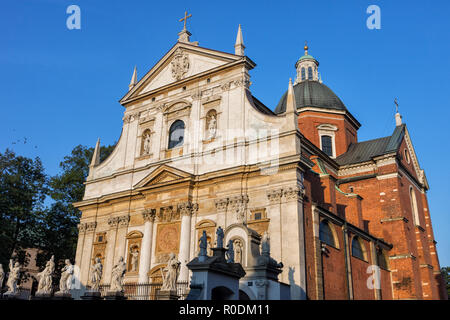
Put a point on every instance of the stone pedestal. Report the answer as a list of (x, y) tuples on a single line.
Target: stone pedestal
[(167, 295), (92, 295), (213, 278), (62, 296), (115, 295)]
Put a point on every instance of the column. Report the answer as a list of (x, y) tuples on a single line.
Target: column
[(146, 251), (121, 238), (186, 209), (293, 253), (87, 252), (110, 247)]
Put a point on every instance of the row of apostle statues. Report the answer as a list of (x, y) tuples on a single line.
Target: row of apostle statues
[(45, 284), (169, 274)]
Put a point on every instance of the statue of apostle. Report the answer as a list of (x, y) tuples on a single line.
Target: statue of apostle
[(172, 270), (117, 276), (96, 274)]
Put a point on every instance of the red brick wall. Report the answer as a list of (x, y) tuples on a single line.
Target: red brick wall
[(346, 133), (334, 274)]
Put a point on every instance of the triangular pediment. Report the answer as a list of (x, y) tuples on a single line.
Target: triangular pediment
[(163, 175), (415, 161), (183, 61)]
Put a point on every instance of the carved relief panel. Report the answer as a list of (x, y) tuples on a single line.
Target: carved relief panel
[(167, 240)]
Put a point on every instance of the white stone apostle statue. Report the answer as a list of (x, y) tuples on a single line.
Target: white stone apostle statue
[(220, 235), (238, 251), (45, 277), (230, 252), (2, 276), (172, 270), (65, 283), (212, 127), (134, 252), (117, 276), (13, 278), (147, 141), (96, 274)]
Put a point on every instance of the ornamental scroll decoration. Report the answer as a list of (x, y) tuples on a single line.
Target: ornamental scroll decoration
[(87, 227), (180, 64), (238, 206), (187, 208)]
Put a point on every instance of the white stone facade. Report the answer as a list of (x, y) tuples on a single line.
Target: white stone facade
[(251, 163)]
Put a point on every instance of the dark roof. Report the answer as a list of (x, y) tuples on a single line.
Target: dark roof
[(312, 94), (366, 150)]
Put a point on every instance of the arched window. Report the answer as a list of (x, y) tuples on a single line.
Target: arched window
[(415, 212), (310, 75), (381, 258), (325, 233), (303, 74), (176, 134), (407, 156), (327, 145), (357, 249)]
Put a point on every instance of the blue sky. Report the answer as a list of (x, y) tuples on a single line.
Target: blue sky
[(61, 87)]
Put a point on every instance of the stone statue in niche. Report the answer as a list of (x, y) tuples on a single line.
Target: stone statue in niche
[(134, 254), (172, 270), (45, 277), (117, 276), (237, 251), (212, 127), (96, 274), (13, 278), (146, 143), (65, 283)]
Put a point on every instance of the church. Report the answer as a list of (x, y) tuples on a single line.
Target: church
[(348, 219)]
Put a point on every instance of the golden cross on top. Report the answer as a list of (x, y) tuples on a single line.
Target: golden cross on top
[(186, 16)]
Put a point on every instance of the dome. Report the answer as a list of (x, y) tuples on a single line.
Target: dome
[(307, 57), (312, 94)]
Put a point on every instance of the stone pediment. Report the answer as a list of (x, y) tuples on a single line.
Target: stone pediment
[(163, 175), (181, 62)]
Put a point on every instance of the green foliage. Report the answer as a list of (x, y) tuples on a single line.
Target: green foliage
[(59, 228), (25, 222), (445, 271), (23, 188)]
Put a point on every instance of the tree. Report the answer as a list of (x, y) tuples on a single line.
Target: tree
[(59, 226), (445, 271), (23, 188)]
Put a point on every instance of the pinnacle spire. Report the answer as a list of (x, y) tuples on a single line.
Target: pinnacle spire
[(239, 45), (96, 156), (133, 79), (291, 105)]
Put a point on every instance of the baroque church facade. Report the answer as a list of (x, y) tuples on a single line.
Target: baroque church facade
[(348, 219)]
